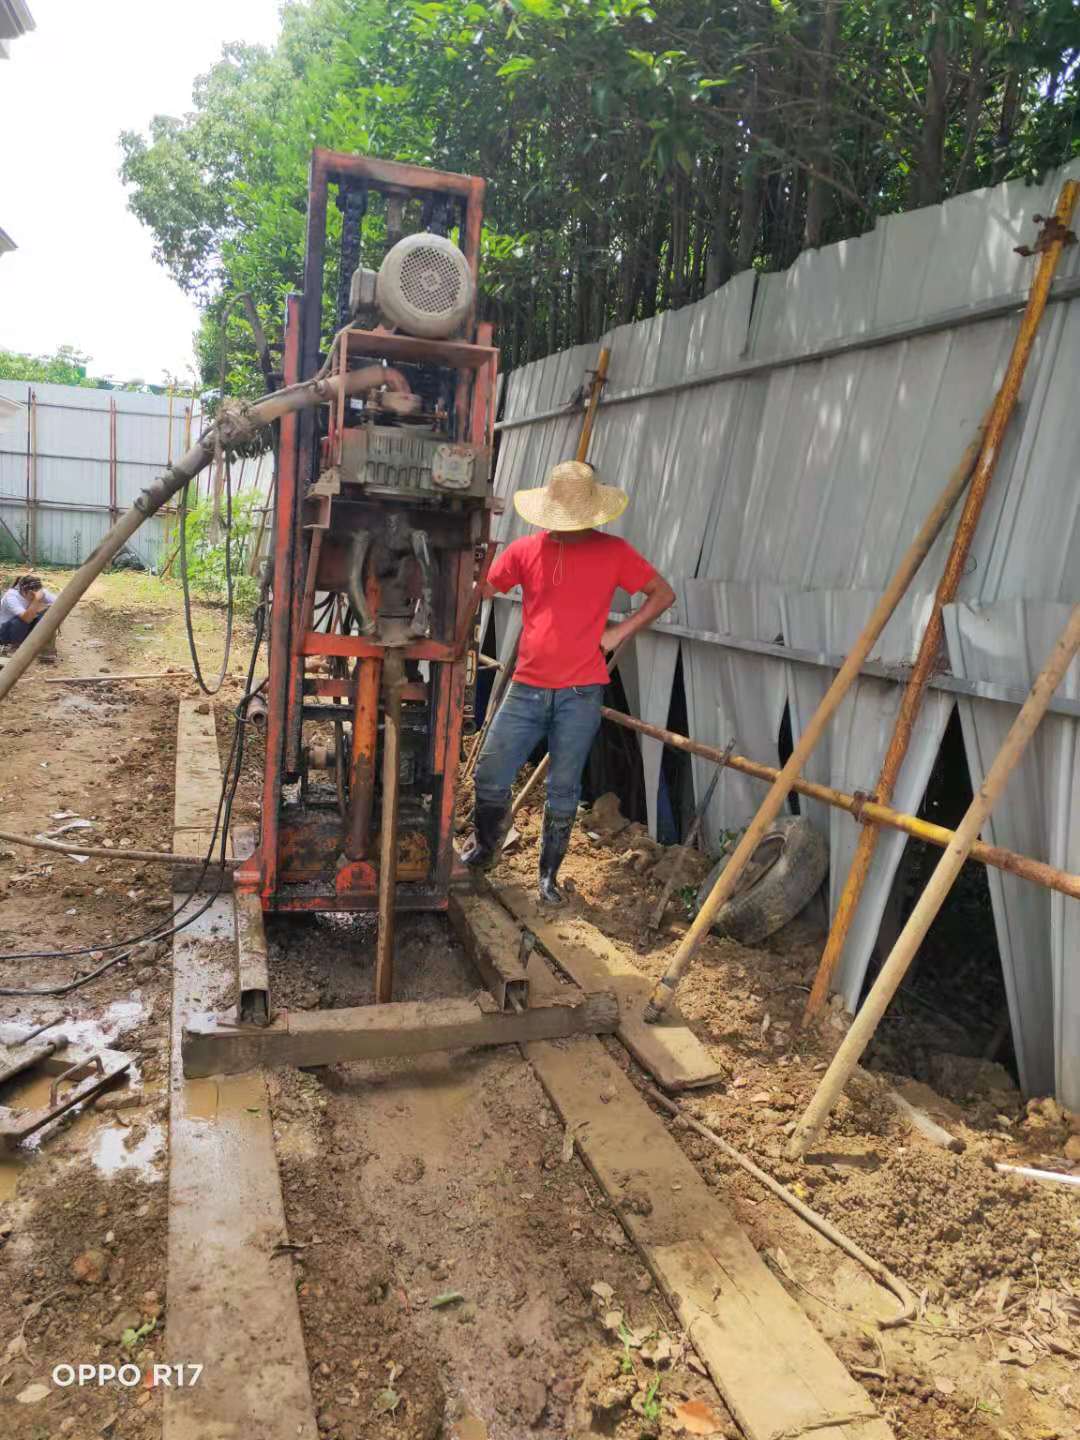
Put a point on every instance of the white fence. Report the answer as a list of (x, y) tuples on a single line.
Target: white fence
[(73, 459), (781, 440)]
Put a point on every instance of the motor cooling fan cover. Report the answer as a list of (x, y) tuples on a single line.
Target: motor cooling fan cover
[(425, 286)]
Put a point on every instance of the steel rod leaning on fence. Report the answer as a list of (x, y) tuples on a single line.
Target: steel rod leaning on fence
[(866, 811), (931, 528), (933, 636), (937, 889)]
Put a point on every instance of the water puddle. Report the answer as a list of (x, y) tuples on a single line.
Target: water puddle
[(209, 1099), (111, 1153), (82, 1125)]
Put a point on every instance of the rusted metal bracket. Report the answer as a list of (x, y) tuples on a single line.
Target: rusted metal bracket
[(86, 1074), (1053, 232)]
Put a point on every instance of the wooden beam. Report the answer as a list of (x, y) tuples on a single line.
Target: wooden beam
[(492, 941), (216, 1046), (777, 1375), (669, 1051), (230, 1296)]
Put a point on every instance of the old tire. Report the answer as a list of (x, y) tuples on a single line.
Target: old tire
[(782, 877)]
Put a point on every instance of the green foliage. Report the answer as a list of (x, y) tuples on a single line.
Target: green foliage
[(651, 1408), (66, 366), (206, 549), (637, 153)]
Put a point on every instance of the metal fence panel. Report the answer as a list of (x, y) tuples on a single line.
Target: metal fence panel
[(850, 752), (733, 695), (78, 454), (1038, 814)]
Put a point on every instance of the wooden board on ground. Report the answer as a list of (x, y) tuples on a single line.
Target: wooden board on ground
[(670, 1051), (492, 941), (777, 1375), (387, 1032), (232, 1294)]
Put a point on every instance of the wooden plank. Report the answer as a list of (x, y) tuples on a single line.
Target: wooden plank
[(232, 1299), (212, 1046), (777, 1375), (492, 941), (198, 768), (670, 1050)]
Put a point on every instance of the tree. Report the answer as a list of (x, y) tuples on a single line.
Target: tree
[(637, 152), (68, 366)]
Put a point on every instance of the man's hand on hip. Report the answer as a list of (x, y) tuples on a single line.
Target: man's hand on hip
[(613, 636)]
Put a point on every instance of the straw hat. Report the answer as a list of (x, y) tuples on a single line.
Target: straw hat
[(572, 499)]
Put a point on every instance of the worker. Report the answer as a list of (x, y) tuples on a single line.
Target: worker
[(21, 607), (568, 574)]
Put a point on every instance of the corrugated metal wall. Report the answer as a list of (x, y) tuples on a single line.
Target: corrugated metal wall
[(779, 499), (80, 452)]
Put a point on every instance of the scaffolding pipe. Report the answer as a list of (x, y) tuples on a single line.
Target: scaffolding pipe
[(858, 806), (664, 989), (937, 890), (933, 636)]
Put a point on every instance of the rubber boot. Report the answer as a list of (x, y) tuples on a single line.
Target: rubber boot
[(491, 824), (553, 845)]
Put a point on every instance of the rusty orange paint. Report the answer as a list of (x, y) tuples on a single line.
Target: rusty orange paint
[(365, 741)]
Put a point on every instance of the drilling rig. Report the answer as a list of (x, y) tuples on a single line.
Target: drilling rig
[(381, 544), (382, 510)]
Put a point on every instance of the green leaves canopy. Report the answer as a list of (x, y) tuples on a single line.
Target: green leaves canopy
[(637, 154)]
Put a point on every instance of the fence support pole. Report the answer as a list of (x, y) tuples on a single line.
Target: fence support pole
[(937, 890), (933, 635)]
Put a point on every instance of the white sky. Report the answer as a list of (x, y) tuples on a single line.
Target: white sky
[(84, 274)]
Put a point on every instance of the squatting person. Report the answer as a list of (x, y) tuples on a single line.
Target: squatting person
[(21, 608), (568, 574)]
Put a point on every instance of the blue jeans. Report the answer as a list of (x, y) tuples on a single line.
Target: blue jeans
[(14, 631), (568, 719)]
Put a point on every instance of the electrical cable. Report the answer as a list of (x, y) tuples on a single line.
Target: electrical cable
[(222, 819), (186, 582)]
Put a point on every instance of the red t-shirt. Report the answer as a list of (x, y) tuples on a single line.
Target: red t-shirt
[(566, 593)]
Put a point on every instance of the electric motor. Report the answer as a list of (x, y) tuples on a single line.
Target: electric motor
[(425, 286)]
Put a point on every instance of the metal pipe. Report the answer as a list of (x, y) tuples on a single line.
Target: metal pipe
[(596, 389), (945, 320), (237, 426), (862, 809), (937, 889), (144, 857), (916, 553), (365, 736), (394, 679), (933, 636)]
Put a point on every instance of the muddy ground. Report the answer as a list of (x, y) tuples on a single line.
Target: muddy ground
[(454, 1265)]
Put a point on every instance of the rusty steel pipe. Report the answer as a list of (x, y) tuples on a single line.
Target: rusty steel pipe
[(393, 680), (933, 636), (1037, 871), (365, 735), (238, 424), (892, 973)]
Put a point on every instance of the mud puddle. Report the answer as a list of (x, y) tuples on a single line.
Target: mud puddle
[(112, 1139)]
